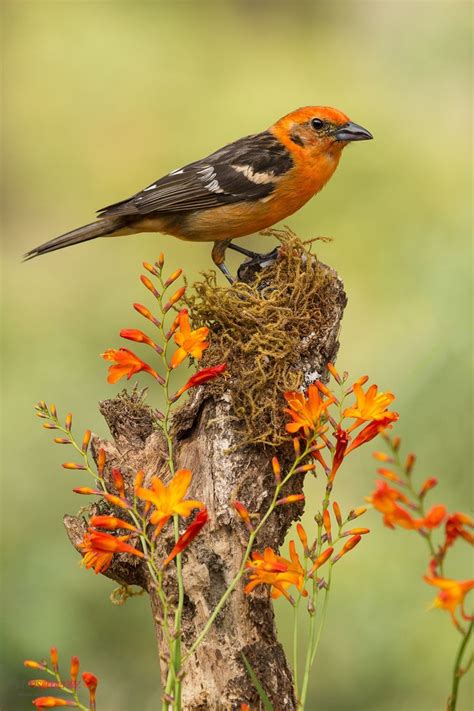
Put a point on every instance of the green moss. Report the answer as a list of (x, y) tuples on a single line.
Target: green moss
[(260, 330)]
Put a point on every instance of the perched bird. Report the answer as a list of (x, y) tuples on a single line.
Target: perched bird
[(240, 189)]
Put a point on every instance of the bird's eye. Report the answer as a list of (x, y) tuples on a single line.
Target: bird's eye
[(317, 124)]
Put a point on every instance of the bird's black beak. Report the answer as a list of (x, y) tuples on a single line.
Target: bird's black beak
[(352, 132)]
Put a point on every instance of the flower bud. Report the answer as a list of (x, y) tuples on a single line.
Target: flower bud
[(85, 440), (291, 499), (148, 284), (355, 513), (276, 469), (175, 275), (337, 513)]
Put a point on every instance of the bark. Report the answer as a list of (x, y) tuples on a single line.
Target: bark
[(215, 678)]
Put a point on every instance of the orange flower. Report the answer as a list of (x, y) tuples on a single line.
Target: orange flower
[(91, 681), (451, 595), (342, 440), (279, 573), (188, 536), (385, 499), (455, 527), (371, 430), (127, 364), (306, 412), (99, 548), (202, 376), (434, 517), (192, 343), (168, 499), (370, 406)]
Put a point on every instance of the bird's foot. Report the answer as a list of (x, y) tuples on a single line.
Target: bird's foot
[(247, 270), (242, 250)]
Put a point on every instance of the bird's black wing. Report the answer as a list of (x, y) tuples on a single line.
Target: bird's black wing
[(247, 169)]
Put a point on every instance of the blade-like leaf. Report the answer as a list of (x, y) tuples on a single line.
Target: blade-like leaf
[(267, 704)]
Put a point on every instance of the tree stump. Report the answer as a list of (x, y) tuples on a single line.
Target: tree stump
[(208, 440)]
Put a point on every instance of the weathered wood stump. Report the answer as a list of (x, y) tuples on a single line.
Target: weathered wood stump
[(209, 441)]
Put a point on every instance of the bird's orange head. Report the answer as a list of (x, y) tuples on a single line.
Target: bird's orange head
[(318, 130)]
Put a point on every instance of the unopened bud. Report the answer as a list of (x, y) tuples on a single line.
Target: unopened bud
[(62, 440), (176, 297), (101, 457), (138, 481), (429, 484), (351, 543), (327, 524), (305, 468), (276, 469), (85, 440), (54, 659), (382, 457), (291, 499), (356, 532), (143, 311), (175, 275), (303, 538), (150, 268), (243, 513), (396, 443), (409, 464), (73, 465), (320, 560), (68, 423), (334, 373), (116, 501), (148, 284), (337, 513), (355, 513)]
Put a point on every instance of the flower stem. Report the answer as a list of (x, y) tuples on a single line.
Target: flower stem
[(457, 671)]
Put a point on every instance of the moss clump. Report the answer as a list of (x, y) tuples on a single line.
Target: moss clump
[(265, 332)]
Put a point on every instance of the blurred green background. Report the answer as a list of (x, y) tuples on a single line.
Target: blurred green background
[(103, 97)]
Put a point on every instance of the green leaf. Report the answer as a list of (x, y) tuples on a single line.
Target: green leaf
[(267, 704)]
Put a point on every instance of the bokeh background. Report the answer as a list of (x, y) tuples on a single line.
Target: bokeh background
[(103, 97)]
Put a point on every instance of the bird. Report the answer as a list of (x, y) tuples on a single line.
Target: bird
[(240, 189)]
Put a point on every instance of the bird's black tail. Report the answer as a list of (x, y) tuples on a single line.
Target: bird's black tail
[(100, 228)]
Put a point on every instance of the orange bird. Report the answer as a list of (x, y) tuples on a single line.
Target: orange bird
[(240, 189)]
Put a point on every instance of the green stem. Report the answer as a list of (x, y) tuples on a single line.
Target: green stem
[(295, 644), (314, 637), (323, 616), (174, 678), (457, 671), (307, 666)]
